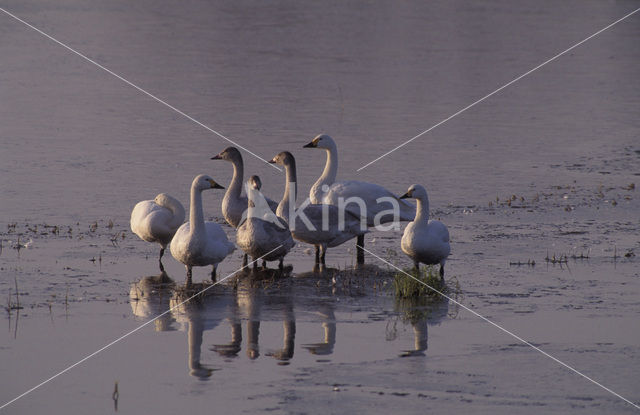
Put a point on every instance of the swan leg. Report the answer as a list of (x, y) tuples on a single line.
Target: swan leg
[(255, 264), (189, 274), (160, 259), (317, 254), (360, 250), (213, 273), (281, 264), (245, 260), (264, 264), (442, 271), (323, 249), (416, 265)]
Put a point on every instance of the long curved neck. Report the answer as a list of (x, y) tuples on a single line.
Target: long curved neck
[(235, 187), (422, 209), (328, 176), (196, 215), (288, 198)]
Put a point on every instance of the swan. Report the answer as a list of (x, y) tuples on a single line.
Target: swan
[(269, 240), (199, 243), (308, 226), (157, 220), (234, 204), (425, 240), (379, 205)]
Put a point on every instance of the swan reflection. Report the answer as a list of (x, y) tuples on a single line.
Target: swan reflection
[(240, 312), (150, 297)]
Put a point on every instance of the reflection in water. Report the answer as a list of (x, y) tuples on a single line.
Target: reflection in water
[(150, 297), (329, 325), (270, 295), (418, 312), (203, 312)]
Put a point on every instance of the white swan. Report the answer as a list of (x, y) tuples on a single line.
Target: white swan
[(425, 240), (259, 238), (379, 205), (234, 204), (199, 243), (157, 220), (309, 226)]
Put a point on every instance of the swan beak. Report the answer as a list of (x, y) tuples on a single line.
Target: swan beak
[(272, 161), (405, 196), (216, 157), (312, 144), (215, 185)]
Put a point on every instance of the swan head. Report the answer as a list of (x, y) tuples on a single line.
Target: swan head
[(164, 199), (204, 182), (254, 182), (230, 154), (415, 192), (321, 141), (284, 159)]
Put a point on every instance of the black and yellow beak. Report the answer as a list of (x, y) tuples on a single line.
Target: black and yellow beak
[(216, 157), (312, 144), (215, 185), (405, 196)]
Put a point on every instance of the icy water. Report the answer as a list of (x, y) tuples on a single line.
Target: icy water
[(547, 168)]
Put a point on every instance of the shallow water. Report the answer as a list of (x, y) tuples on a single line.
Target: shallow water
[(541, 169)]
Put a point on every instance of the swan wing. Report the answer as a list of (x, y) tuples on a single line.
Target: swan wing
[(376, 199), (152, 222)]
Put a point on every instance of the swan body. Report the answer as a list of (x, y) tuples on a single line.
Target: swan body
[(370, 202), (327, 190), (425, 241), (234, 205), (199, 243), (262, 239), (322, 226), (157, 220)]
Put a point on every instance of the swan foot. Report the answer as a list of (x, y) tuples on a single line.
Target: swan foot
[(360, 250)]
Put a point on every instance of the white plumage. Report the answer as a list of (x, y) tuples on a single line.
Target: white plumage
[(373, 203), (200, 243), (234, 204), (268, 240), (157, 220), (425, 241), (316, 224)]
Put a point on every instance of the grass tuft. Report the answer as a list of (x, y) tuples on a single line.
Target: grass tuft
[(407, 287)]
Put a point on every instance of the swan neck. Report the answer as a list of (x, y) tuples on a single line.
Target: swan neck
[(422, 209), (196, 215), (288, 198), (235, 187), (328, 176)]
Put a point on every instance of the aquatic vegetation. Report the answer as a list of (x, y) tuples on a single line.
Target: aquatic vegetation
[(420, 283)]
